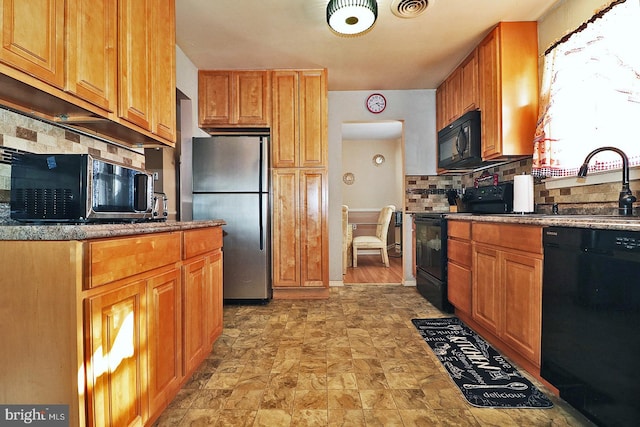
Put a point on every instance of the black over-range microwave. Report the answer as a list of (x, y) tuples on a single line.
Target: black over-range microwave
[(459, 144), (76, 188)]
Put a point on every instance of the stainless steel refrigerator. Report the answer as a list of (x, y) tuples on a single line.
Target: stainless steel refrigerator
[(230, 182)]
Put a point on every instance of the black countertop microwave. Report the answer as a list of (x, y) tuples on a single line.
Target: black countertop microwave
[(459, 144)]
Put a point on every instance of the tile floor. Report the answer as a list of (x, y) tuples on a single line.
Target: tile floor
[(352, 360)]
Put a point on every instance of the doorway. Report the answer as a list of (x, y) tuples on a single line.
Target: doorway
[(373, 177)]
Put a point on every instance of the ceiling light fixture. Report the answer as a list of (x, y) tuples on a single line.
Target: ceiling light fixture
[(351, 17)]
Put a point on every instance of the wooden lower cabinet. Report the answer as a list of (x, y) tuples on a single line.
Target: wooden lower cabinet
[(459, 265), (117, 363), (495, 285), (195, 321), (300, 251), (164, 321), (507, 285), (116, 351)]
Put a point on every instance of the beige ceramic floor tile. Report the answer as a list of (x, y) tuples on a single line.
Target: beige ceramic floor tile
[(354, 359)]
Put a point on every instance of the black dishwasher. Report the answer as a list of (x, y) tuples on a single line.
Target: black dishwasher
[(591, 321)]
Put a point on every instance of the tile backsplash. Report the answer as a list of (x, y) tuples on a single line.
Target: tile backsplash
[(21, 133), (426, 193)]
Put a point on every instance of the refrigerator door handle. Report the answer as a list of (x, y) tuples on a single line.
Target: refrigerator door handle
[(260, 183), (261, 225)]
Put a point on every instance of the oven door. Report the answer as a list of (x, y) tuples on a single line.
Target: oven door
[(431, 260)]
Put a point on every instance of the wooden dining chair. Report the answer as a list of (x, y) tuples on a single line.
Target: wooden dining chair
[(379, 241)]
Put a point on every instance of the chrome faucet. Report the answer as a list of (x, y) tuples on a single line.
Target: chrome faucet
[(626, 199)]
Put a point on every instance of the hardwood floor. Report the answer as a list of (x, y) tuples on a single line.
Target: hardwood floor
[(371, 270)]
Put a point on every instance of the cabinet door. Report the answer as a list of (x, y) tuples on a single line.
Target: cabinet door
[(454, 95), (214, 296), (163, 71), (286, 236), (214, 98), (441, 101), (486, 309), (134, 62), (194, 314), (92, 33), (469, 92), (251, 92), (33, 38), (489, 77), (165, 338), (522, 294), (116, 357), (459, 287), (313, 118), (285, 134), (313, 227)]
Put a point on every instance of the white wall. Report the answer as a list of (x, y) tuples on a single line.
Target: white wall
[(416, 108), (374, 186), (565, 17), (187, 83)]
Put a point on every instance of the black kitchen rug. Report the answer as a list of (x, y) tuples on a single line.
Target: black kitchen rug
[(485, 378)]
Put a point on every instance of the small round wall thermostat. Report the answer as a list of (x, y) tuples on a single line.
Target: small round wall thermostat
[(376, 103)]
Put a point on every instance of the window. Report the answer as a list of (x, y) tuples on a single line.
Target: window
[(590, 95)]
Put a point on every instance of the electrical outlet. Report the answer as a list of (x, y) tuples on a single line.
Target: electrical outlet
[(156, 176)]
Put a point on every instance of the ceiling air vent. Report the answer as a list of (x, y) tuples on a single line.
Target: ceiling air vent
[(408, 8)]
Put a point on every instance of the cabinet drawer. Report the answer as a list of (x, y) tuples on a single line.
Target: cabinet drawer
[(459, 287), (201, 241), (459, 252), (520, 237), (459, 229), (117, 258)]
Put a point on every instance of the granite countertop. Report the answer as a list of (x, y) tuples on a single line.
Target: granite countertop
[(97, 231), (602, 222)]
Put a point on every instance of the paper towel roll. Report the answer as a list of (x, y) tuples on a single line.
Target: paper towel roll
[(523, 193)]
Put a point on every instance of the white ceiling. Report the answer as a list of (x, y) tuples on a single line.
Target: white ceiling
[(397, 54)]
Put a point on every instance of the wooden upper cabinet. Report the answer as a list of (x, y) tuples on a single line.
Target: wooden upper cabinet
[(313, 118), (299, 131), (469, 75), (38, 53), (285, 141), (91, 51), (458, 93), (163, 71), (508, 82), (441, 107), (233, 98), (135, 62)]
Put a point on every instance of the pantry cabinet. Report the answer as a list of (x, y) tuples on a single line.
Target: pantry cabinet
[(507, 285), (299, 184), (38, 53), (300, 244), (234, 98), (508, 77)]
